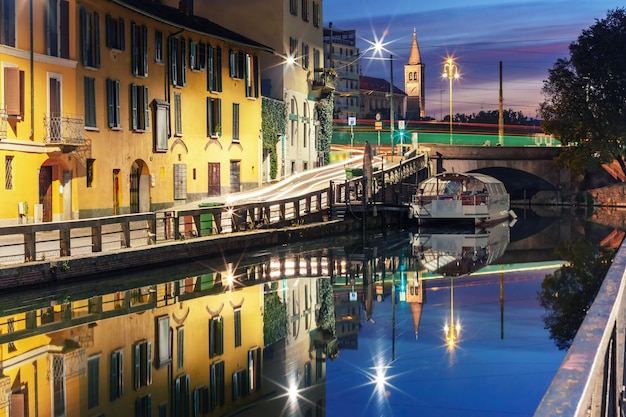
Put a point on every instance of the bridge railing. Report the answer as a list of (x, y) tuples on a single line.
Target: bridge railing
[(387, 186), (590, 381)]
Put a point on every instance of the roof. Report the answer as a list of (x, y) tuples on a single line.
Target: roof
[(377, 84), (415, 57), (194, 23)]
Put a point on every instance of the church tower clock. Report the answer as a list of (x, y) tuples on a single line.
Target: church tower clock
[(414, 83)]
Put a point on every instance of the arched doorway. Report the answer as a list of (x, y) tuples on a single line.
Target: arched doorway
[(139, 187)]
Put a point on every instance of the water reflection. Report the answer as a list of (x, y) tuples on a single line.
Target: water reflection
[(257, 334)]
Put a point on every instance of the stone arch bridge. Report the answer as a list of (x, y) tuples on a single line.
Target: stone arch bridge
[(529, 173)]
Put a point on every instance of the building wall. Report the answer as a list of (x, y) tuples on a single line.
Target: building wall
[(192, 147), (272, 23), (23, 148)]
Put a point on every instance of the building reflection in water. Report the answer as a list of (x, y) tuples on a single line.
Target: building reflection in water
[(251, 335)]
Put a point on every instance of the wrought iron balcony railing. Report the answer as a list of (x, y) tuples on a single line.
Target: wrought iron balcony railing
[(63, 129)]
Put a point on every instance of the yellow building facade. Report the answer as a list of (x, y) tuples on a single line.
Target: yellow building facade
[(145, 106)]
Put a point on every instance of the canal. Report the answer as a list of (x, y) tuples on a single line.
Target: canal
[(431, 322)]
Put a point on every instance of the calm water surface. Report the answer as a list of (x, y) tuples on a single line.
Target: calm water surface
[(429, 323)]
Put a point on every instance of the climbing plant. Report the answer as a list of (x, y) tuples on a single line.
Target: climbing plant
[(325, 109), (326, 314), (273, 125), (274, 317)]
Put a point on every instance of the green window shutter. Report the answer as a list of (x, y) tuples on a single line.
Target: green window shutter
[(144, 47), (133, 107), (173, 63), (113, 375), (117, 103), (137, 360), (146, 109), (110, 103), (96, 39), (218, 68), (232, 63), (148, 363), (210, 71), (192, 54), (84, 39)]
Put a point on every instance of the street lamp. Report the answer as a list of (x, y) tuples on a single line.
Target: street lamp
[(450, 71)]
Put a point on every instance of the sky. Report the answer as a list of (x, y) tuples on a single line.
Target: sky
[(526, 36)]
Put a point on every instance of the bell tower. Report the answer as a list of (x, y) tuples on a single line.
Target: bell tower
[(414, 83)]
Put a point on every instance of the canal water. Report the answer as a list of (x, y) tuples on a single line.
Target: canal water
[(429, 322)]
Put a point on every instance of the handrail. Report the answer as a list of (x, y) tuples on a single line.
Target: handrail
[(590, 381)]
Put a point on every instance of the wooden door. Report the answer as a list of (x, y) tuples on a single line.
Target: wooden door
[(214, 179), (45, 192)]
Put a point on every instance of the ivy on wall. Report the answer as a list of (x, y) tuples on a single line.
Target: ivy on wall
[(273, 125), (325, 108), (274, 317)]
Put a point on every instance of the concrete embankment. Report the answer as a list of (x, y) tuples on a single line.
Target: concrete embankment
[(105, 264)]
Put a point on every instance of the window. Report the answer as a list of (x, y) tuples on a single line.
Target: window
[(308, 374), (143, 406), (293, 48), (254, 369), (214, 116), (237, 314), (7, 22), (58, 385), (178, 116), (142, 364), (178, 62), (158, 46), (201, 401), (181, 396), (113, 103), (114, 33), (214, 73), (305, 55), (93, 369), (164, 347), (56, 23), (90, 38), (14, 92), (293, 7), (218, 395), (90, 102), (305, 10), (11, 329), (317, 63), (305, 124), (89, 174), (197, 56), (235, 122), (180, 181), (252, 76), (293, 121), (240, 384), (139, 108), (180, 347), (139, 50), (316, 14), (116, 375), (8, 172), (161, 124), (237, 64), (216, 336)]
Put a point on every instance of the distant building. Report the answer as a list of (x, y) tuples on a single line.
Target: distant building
[(374, 96), (342, 54), (414, 83)]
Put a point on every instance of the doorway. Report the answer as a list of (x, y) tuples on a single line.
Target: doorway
[(116, 192), (214, 179), (45, 192)]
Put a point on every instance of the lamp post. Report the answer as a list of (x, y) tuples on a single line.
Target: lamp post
[(450, 71), (391, 112)]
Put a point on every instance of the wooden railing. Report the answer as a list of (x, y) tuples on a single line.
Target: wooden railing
[(44, 241)]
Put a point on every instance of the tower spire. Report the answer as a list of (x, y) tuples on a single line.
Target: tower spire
[(414, 57)]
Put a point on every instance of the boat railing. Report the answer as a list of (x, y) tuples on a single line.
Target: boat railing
[(467, 199)]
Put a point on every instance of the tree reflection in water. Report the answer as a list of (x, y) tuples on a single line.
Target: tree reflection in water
[(568, 293)]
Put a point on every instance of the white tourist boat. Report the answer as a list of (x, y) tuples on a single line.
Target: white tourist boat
[(453, 196)]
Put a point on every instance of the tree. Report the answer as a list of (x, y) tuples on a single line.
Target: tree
[(568, 293), (585, 97)]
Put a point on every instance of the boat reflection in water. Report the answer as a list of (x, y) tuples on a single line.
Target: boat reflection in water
[(456, 253)]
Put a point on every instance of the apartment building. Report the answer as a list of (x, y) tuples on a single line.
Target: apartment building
[(145, 106), (342, 54), (291, 74)]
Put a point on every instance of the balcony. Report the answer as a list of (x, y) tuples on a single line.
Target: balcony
[(64, 131), (325, 82)]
